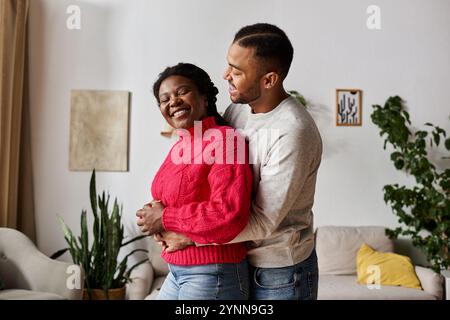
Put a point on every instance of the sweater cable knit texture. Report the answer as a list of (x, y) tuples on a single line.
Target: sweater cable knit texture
[(208, 203)]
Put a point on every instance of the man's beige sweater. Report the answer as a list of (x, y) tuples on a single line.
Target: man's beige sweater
[(285, 152)]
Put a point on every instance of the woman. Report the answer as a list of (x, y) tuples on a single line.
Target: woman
[(202, 195)]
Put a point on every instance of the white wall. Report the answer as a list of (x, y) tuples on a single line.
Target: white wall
[(123, 45)]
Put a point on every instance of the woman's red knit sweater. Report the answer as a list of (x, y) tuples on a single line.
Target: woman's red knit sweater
[(208, 203)]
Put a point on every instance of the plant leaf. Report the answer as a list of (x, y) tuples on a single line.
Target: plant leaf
[(59, 253), (447, 144), (134, 239)]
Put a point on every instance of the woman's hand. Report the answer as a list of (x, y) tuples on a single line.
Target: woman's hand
[(158, 237)]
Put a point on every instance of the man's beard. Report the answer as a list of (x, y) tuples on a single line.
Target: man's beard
[(253, 94)]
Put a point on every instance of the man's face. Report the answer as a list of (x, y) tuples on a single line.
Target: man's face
[(243, 74)]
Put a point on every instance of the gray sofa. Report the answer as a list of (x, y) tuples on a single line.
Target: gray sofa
[(336, 250), (28, 274), (336, 253)]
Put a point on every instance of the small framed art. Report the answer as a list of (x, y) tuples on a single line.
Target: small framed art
[(348, 107)]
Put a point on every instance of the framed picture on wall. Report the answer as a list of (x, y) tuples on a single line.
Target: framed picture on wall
[(99, 130), (348, 107)]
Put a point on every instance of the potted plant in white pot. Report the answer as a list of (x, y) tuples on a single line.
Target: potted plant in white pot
[(423, 210), (105, 276)]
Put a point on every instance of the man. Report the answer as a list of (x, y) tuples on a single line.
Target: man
[(285, 165)]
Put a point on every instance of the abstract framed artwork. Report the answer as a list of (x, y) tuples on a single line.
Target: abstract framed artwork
[(348, 107), (99, 121)]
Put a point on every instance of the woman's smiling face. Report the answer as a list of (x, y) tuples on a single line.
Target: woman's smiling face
[(181, 103)]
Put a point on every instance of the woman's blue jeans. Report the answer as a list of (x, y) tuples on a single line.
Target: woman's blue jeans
[(222, 281)]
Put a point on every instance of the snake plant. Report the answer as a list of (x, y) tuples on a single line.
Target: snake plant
[(100, 259)]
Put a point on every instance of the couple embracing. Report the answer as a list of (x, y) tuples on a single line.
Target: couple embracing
[(233, 199)]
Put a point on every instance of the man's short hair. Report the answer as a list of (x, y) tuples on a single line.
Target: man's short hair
[(270, 43)]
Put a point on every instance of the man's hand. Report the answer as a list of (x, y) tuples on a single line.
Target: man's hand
[(172, 241), (158, 238), (150, 218)]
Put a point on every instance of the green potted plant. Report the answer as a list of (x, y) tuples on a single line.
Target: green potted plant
[(105, 276), (423, 210), (299, 97)]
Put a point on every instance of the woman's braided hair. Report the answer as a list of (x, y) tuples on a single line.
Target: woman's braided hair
[(201, 80)]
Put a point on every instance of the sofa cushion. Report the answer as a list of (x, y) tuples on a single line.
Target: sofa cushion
[(159, 265), (391, 269), (345, 287), (156, 287), (337, 246), (19, 294), (431, 281)]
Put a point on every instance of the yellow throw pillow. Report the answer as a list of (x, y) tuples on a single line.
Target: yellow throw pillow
[(382, 268)]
